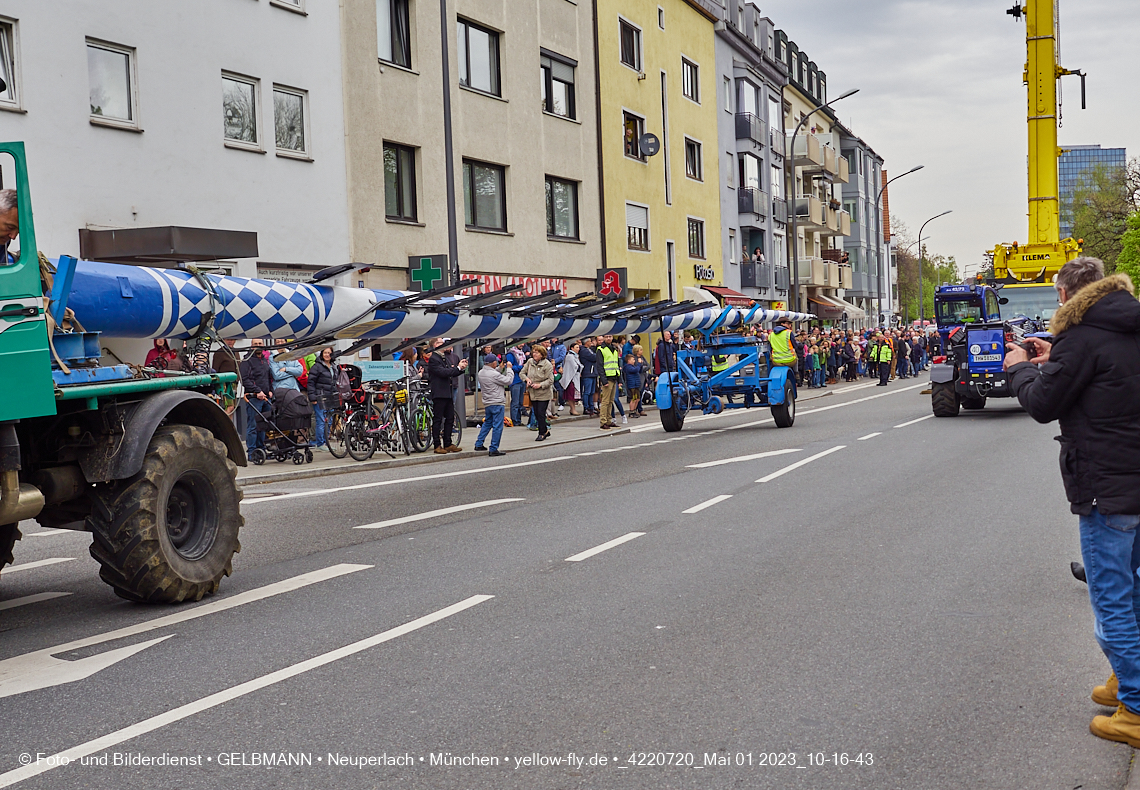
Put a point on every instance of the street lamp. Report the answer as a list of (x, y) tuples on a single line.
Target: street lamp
[(921, 258), (790, 184), (879, 234)]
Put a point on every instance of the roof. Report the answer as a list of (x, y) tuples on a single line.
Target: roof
[(166, 245), (729, 296), (707, 8)]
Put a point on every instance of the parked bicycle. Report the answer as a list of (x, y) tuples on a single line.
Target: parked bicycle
[(380, 424)]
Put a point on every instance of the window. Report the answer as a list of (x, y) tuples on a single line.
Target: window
[(660, 17), (479, 58), (775, 116), (633, 128), (393, 35), (558, 86), (111, 83), (561, 208), (693, 160), (852, 208), (728, 94), (630, 45), (637, 227), (484, 196), (239, 110), (292, 5), (777, 182), (748, 96), (400, 182), (730, 173), (696, 238), (749, 172), (8, 96), (289, 119), (691, 80), (732, 245)]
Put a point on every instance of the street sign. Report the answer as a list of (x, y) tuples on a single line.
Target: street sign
[(649, 143), (428, 271), (385, 370), (610, 282)]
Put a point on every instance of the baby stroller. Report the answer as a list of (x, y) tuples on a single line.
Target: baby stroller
[(287, 429)]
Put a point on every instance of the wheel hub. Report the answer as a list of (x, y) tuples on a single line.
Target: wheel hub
[(192, 515)]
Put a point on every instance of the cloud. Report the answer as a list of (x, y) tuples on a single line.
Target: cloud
[(941, 85)]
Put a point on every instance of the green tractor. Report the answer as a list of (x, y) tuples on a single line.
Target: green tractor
[(147, 465)]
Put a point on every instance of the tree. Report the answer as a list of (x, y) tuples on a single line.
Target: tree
[(1100, 207), (1129, 259), (936, 269)]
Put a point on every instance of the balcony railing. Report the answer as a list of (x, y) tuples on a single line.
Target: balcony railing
[(844, 171), (780, 210), (809, 213), (807, 152), (748, 275), (782, 278), (752, 201), (764, 275), (812, 271), (830, 163), (845, 277), (750, 127)]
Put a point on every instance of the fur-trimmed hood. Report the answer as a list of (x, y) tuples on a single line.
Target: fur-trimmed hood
[(1074, 311)]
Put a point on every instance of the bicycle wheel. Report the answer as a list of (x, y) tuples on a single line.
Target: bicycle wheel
[(334, 434), (419, 429), (358, 441), (403, 431)]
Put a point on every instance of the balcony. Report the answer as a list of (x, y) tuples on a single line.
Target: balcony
[(830, 161), (782, 278), (838, 222), (747, 275), (845, 277), (813, 271), (750, 127), (844, 174), (752, 201), (807, 152), (831, 277), (780, 210), (809, 213), (764, 279)]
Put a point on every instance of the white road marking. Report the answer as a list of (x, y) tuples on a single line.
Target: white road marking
[(234, 692), (912, 422), (433, 513), (741, 458), (439, 476), (798, 464), (27, 599), (869, 436), (44, 533), (27, 566), (16, 672), (585, 555), (716, 500)]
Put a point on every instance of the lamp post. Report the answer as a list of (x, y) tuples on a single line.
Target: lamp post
[(790, 184), (879, 235), (921, 258)]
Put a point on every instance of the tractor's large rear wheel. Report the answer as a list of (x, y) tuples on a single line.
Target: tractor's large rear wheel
[(9, 534), (944, 400), (169, 533)]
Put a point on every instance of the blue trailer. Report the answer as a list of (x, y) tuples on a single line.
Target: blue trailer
[(748, 382)]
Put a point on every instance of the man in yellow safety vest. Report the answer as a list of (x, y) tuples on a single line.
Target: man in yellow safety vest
[(610, 358)]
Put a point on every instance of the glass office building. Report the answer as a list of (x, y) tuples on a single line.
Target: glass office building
[(1074, 163)]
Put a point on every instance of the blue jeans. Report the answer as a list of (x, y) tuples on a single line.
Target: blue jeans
[(1111, 553), (322, 420), (589, 387), (901, 367), (253, 436), (516, 402), (492, 418), (817, 377)]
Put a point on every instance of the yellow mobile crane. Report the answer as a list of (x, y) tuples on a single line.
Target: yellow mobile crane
[(1025, 271)]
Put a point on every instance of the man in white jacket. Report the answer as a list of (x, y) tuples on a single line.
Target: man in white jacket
[(492, 383)]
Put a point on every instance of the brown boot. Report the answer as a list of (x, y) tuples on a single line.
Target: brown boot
[(453, 448), (440, 451), (1123, 727), (1106, 694)]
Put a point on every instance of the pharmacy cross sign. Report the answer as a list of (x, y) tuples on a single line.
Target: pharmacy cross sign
[(426, 272)]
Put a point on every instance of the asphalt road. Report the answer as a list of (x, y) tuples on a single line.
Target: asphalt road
[(900, 603)]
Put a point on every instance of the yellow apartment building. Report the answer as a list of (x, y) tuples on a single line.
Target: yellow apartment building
[(658, 132)]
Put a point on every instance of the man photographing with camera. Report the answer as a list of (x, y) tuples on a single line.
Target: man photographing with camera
[(1088, 379)]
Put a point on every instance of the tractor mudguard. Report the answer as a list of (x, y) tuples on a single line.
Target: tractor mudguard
[(777, 378), (119, 456), (942, 374), (663, 394)]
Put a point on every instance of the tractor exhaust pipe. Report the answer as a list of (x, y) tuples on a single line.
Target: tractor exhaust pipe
[(17, 501)]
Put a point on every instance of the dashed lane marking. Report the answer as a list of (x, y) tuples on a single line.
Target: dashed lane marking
[(912, 422), (585, 555), (716, 500), (798, 464), (27, 566), (444, 511), (869, 436), (27, 599)]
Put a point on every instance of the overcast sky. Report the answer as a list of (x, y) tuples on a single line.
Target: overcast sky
[(940, 85)]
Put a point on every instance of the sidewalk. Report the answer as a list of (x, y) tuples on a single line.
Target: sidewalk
[(564, 430)]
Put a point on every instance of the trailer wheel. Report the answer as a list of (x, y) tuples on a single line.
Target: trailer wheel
[(944, 399), (785, 413), (973, 404), (9, 534), (169, 533), (673, 418)]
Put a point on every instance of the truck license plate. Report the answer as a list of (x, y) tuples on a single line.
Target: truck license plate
[(987, 357)]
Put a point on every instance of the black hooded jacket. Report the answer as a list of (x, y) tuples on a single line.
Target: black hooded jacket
[(1091, 385)]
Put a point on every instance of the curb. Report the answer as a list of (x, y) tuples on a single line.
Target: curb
[(366, 466)]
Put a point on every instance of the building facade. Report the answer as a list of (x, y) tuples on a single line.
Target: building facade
[(817, 173), (754, 212), (521, 94), (657, 71), (865, 244), (1075, 164), (212, 115)]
